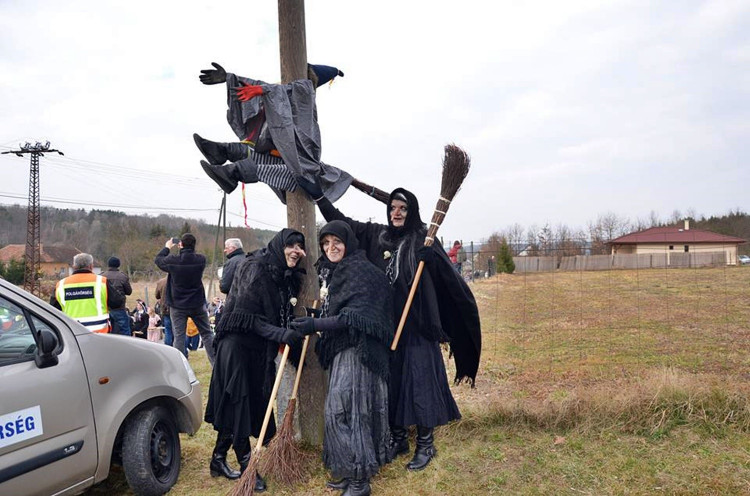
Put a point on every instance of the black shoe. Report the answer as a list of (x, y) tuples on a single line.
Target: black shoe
[(220, 176), (213, 152), (358, 487), (399, 441), (219, 467), (338, 485), (260, 484), (425, 449)]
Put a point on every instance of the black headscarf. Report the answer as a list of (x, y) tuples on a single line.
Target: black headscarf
[(359, 293)]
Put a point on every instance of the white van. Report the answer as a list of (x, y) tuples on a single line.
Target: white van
[(73, 402)]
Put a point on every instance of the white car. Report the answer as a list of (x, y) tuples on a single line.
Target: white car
[(73, 402), (743, 260)]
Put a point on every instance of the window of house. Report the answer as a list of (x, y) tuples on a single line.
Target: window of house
[(671, 247), (687, 248)]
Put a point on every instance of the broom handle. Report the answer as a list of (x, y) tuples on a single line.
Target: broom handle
[(275, 390), (302, 360), (405, 313)]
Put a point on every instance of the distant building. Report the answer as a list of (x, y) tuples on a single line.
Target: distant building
[(55, 260), (677, 239)]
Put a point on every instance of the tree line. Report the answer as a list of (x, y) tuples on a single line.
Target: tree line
[(134, 239)]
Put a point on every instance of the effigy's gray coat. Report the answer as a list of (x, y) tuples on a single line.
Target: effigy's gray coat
[(292, 118)]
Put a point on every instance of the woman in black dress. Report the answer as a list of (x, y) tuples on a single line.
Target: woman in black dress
[(256, 315), (356, 329), (443, 310)]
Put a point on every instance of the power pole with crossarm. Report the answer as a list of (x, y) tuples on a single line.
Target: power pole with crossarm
[(33, 253)]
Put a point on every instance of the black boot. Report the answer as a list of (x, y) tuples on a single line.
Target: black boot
[(425, 449), (219, 458), (227, 176), (243, 453), (218, 153), (399, 441), (358, 487), (338, 485)]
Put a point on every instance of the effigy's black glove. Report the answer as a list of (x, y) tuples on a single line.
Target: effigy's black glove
[(213, 76), (312, 188), (305, 325), (425, 254)]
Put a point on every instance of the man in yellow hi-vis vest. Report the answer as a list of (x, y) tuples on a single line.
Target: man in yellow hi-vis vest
[(85, 296)]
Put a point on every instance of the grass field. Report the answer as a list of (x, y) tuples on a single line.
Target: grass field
[(618, 382)]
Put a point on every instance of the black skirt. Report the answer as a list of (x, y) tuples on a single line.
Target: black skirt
[(419, 393), (237, 398)]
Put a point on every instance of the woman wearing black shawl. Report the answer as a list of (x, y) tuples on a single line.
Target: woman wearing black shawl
[(356, 329), (443, 309), (255, 320)]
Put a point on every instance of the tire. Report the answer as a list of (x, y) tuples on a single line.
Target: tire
[(151, 452)]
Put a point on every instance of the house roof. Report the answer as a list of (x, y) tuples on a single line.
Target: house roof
[(677, 235), (49, 254)]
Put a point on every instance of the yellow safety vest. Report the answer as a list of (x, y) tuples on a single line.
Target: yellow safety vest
[(83, 296)]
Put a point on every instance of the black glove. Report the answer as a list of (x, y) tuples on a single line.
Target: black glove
[(313, 312), (305, 325), (291, 337), (213, 76), (312, 188), (425, 254)]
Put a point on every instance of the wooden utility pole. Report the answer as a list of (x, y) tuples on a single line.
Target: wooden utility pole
[(301, 216)]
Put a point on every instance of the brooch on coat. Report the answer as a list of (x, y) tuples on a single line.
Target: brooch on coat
[(386, 255), (293, 301)]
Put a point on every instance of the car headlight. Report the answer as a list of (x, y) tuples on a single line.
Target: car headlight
[(191, 375)]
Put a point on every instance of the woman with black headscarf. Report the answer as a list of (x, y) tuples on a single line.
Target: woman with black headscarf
[(443, 309), (256, 318), (356, 329)]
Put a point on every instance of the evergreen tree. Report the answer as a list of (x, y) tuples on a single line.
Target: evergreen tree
[(505, 259)]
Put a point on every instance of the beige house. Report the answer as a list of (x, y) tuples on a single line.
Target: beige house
[(55, 261), (679, 243)]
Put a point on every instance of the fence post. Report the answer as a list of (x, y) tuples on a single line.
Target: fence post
[(472, 261)]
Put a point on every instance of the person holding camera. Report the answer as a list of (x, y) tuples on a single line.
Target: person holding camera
[(184, 293)]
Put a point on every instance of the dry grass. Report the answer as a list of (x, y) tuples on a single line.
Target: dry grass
[(620, 382)]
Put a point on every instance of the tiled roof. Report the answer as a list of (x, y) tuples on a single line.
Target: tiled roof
[(677, 235), (49, 254)]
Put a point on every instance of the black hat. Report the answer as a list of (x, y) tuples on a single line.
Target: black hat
[(324, 73), (113, 262)]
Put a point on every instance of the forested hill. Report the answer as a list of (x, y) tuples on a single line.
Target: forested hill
[(135, 239)]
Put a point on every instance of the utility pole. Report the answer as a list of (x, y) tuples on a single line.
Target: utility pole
[(301, 216), (33, 253)]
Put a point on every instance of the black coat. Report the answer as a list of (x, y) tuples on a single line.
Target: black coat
[(227, 274), (121, 282), (185, 281)]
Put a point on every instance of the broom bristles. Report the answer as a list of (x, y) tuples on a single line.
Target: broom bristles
[(282, 459), (246, 485), (456, 164)]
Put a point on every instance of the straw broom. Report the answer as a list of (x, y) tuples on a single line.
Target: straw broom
[(246, 485), (456, 165), (282, 459)]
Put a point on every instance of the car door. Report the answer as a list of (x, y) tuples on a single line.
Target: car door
[(47, 431)]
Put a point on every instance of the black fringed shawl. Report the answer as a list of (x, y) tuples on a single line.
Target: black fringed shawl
[(358, 292)]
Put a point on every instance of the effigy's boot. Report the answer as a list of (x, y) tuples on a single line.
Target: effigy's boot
[(227, 176), (218, 464), (217, 153), (425, 449)]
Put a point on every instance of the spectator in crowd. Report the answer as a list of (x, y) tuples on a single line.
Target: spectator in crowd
[(193, 337), (85, 296), (185, 294), (163, 310), (154, 333), (140, 319), (457, 255), (119, 317), (256, 319), (235, 255)]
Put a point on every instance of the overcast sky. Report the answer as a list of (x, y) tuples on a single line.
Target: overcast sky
[(568, 109)]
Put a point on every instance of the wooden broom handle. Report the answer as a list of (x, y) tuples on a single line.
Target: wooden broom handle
[(274, 391), (405, 313), (302, 360)]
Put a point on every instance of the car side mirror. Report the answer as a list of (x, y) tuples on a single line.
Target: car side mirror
[(46, 356)]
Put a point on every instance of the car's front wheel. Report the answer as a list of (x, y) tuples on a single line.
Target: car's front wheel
[(151, 452)]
